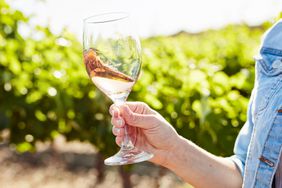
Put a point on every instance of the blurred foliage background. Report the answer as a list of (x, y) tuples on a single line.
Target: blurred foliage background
[(200, 83)]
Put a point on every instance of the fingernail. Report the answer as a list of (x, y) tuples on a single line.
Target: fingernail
[(117, 130), (119, 122)]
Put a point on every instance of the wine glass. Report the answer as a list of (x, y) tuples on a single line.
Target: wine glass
[(112, 56)]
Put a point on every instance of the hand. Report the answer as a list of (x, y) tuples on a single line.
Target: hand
[(150, 131)]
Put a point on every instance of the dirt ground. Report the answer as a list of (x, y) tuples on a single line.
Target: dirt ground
[(73, 165)]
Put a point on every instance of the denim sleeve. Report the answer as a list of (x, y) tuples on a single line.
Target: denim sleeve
[(243, 141), (270, 50)]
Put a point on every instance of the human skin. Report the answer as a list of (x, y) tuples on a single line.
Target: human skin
[(152, 133)]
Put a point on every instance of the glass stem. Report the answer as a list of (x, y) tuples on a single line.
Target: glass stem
[(126, 143)]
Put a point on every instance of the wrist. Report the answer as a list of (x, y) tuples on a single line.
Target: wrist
[(175, 152)]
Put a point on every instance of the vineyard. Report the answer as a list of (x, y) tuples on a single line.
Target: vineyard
[(200, 83)]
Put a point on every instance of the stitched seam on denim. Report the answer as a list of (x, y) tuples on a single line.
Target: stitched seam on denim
[(275, 167), (248, 157), (271, 51), (248, 154), (267, 69), (272, 92), (277, 163), (250, 144), (264, 66), (258, 166), (259, 71)]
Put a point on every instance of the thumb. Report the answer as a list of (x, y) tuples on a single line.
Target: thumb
[(145, 121)]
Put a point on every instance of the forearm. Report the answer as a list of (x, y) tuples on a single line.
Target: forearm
[(202, 169)]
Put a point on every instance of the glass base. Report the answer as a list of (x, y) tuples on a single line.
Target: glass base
[(128, 157)]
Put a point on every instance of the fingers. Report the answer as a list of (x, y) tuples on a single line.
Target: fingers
[(120, 134), (131, 116), (140, 108), (136, 107), (145, 121), (119, 140), (117, 122), (118, 126), (114, 111), (118, 131), (133, 113)]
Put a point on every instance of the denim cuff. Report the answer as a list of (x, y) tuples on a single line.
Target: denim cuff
[(271, 51), (238, 162)]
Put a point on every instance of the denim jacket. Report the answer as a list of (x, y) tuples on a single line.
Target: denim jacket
[(258, 146)]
